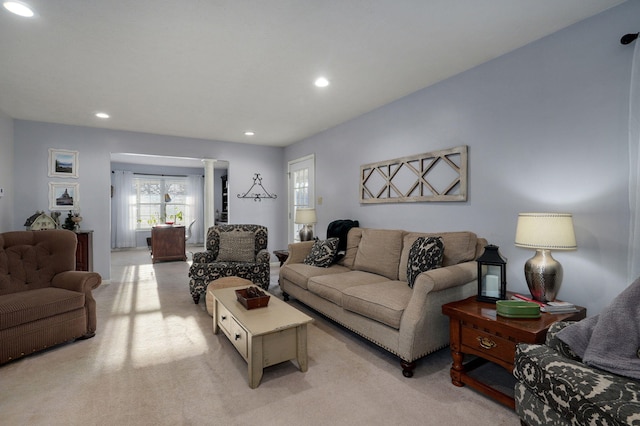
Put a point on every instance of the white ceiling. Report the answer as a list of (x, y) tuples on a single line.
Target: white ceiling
[(214, 68)]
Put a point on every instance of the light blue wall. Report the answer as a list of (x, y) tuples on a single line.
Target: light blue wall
[(33, 139), (546, 127), (6, 172)]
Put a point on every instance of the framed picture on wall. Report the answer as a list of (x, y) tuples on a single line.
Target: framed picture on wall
[(64, 196), (63, 163)]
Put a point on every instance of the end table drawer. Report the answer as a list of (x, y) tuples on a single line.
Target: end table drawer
[(487, 344), (239, 337), (224, 319)]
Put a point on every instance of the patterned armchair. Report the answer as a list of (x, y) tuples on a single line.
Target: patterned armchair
[(232, 250), (555, 388)]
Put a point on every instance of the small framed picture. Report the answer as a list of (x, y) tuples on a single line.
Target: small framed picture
[(63, 163), (64, 196)]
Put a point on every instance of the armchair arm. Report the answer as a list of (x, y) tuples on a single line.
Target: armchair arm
[(203, 257), (84, 282), (580, 393), (80, 281), (558, 345), (263, 256), (298, 251)]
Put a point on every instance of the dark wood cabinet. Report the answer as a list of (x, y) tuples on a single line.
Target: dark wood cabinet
[(167, 243), (84, 251)]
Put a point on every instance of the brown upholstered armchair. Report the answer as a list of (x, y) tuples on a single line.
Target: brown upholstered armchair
[(44, 301)]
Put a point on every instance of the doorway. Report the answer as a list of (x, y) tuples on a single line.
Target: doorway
[(143, 165), (301, 190)]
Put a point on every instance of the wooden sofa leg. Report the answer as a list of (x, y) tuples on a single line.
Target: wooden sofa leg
[(285, 296), (196, 298), (407, 368)]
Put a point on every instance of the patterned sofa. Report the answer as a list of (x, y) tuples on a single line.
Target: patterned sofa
[(556, 388), (232, 250)]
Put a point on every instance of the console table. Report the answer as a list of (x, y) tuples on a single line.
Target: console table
[(168, 243), (476, 329)]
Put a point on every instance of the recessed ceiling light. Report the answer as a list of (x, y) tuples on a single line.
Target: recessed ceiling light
[(321, 82), (18, 8), (102, 115), (249, 133)]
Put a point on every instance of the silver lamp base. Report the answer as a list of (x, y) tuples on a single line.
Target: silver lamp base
[(544, 276), (306, 233)]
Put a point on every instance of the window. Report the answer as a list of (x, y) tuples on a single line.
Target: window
[(159, 199)]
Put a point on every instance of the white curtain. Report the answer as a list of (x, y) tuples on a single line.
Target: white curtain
[(195, 208), (125, 202), (634, 168)]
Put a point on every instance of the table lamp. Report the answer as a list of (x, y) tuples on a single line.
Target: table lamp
[(306, 217), (544, 232)]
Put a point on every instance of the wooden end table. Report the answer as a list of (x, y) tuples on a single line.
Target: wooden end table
[(282, 255), (476, 329)]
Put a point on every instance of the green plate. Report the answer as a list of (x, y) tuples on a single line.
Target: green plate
[(517, 309)]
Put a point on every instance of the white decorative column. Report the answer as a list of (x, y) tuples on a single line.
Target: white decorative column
[(209, 195)]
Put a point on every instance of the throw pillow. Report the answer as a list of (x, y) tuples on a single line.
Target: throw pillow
[(425, 254), (323, 253), (237, 246)]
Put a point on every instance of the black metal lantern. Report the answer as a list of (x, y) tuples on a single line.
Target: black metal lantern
[(492, 275)]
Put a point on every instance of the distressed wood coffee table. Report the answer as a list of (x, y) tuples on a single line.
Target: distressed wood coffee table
[(263, 336)]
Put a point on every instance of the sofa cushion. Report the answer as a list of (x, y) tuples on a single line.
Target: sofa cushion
[(379, 252), (299, 273), (26, 306), (29, 260), (425, 254), (237, 246), (458, 247), (353, 241), (383, 301), (331, 287), (323, 253)]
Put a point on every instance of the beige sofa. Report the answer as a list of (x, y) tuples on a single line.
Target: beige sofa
[(367, 291), (44, 301)]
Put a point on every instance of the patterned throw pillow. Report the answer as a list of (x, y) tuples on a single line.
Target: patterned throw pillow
[(323, 253), (237, 246), (425, 254)]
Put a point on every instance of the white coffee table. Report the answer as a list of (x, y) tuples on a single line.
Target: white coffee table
[(263, 336)]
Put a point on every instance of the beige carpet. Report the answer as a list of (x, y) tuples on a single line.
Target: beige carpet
[(155, 361)]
